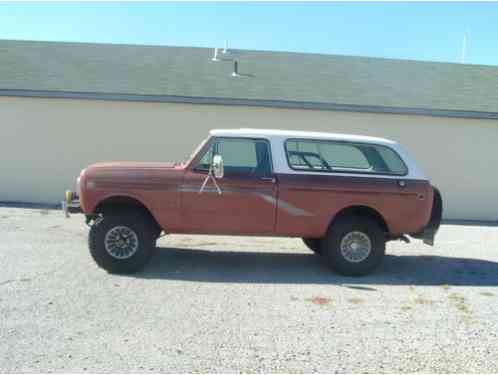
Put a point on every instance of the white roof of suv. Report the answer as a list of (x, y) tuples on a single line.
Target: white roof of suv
[(278, 134), (280, 163)]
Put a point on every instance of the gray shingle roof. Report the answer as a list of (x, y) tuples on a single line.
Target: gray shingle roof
[(267, 78)]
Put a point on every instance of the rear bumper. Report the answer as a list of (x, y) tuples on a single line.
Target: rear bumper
[(71, 204), (429, 232)]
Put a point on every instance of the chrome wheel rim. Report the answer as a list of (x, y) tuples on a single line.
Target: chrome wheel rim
[(121, 242), (356, 247)]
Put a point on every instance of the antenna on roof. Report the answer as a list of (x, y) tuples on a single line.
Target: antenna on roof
[(215, 56), (235, 72), (225, 50)]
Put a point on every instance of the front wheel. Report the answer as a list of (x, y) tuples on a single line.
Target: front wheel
[(354, 246), (121, 244)]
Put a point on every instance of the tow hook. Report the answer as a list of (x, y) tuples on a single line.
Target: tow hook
[(400, 238), (95, 218), (404, 239)]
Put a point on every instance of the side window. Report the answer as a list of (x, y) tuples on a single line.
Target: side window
[(238, 153), (392, 160), (240, 156), (343, 156), (329, 156), (304, 155), (325, 156)]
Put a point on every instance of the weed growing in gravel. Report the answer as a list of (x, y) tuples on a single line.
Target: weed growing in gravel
[(424, 301), (356, 300), (487, 294), (456, 298), (459, 302), (463, 308)]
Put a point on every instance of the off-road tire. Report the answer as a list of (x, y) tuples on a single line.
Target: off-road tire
[(331, 245), (314, 244), (144, 231)]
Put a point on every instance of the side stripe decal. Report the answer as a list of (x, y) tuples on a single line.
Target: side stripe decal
[(280, 204), (286, 206)]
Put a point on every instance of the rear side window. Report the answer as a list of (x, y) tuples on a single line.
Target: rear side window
[(346, 157)]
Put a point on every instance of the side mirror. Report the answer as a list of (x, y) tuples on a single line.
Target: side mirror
[(218, 169)]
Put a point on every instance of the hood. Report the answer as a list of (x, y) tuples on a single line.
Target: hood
[(132, 175), (134, 165)]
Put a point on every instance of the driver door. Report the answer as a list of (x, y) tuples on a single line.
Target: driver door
[(247, 203)]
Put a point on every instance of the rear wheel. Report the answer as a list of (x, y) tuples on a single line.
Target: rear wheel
[(354, 246), (122, 243), (314, 244)]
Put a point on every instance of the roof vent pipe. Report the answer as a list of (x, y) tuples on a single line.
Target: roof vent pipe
[(225, 50), (235, 72), (215, 57)]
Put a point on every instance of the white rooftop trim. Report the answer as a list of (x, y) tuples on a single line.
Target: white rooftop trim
[(275, 133)]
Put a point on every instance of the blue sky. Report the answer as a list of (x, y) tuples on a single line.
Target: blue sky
[(419, 31)]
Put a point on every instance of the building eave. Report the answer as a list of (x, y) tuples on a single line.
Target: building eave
[(49, 94)]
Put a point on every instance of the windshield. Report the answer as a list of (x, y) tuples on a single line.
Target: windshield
[(187, 159)]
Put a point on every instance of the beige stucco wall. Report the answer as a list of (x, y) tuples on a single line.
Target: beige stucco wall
[(45, 143)]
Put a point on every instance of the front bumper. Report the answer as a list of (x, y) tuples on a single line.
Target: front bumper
[(71, 204)]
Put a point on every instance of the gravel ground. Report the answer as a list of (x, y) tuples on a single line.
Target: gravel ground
[(229, 304)]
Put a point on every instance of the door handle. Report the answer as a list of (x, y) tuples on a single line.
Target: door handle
[(401, 183), (270, 179)]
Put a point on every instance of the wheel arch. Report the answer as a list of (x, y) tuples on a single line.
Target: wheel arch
[(126, 202), (360, 210)]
